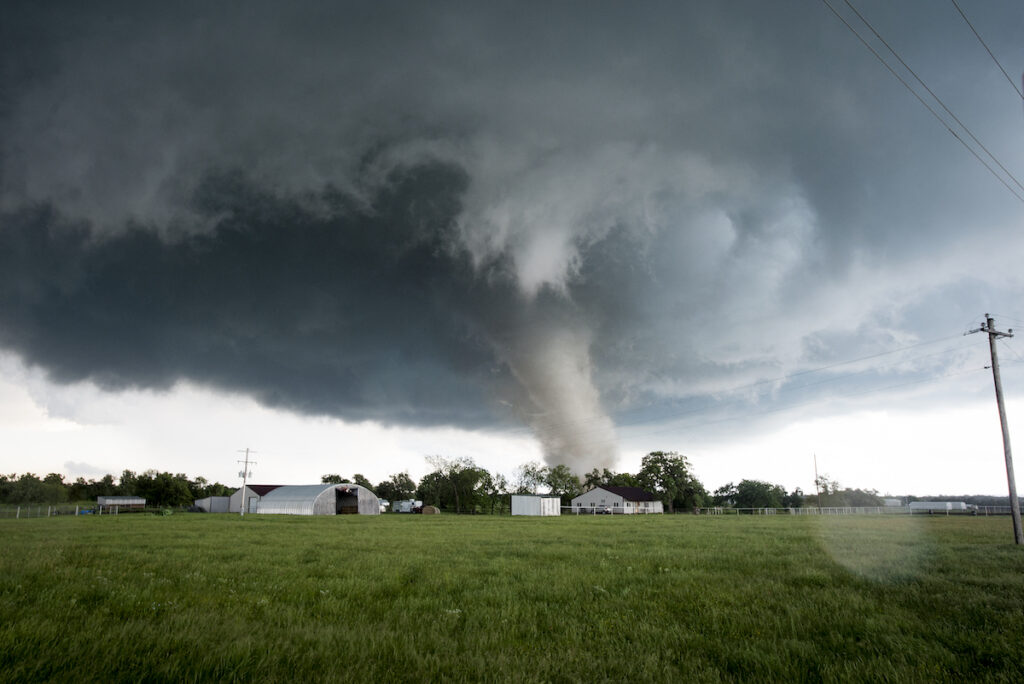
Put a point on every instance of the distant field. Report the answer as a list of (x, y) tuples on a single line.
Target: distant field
[(425, 598)]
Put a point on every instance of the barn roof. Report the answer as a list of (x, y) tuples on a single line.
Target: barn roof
[(262, 490), (629, 493)]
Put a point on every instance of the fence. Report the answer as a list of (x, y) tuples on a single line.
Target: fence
[(856, 510), (53, 510)]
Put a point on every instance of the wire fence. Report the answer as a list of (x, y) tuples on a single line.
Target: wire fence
[(858, 510), (26, 511)]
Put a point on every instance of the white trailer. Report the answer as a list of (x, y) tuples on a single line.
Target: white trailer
[(407, 506), (532, 504), (939, 506)]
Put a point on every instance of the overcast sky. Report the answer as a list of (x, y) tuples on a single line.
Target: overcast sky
[(352, 235)]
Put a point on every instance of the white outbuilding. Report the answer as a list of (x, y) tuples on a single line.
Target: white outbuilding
[(532, 504), (612, 499)]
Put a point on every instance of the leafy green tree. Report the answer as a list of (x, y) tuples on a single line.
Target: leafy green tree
[(562, 482), (794, 499), (462, 476), (530, 477), (361, 480), (331, 478), (163, 489), (758, 494), (495, 488), (126, 485), (623, 480), (431, 488), (725, 495), (397, 487), (667, 474), (28, 489)]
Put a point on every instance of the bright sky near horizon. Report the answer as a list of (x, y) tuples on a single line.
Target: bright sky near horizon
[(352, 236)]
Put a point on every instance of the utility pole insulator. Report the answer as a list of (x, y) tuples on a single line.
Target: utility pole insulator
[(989, 327), (245, 474)]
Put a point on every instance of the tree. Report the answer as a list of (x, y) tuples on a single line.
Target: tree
[(126, 485), (361, 480), (494, 488), (667, 473), (462, 476), (397, 487), (331, 478), (529, 477), (562, 482), (725, 495), (758, 494), (794, 499), (431, 488)]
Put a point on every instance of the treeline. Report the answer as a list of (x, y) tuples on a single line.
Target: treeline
[(159, 489), (460, 485)]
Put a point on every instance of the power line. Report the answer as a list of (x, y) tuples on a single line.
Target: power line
[(602, 441), (920, 99), (930, 92), (990, 53), (788, 407), (551, 427)]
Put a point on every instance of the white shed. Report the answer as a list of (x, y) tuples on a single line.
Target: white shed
[(533, 504), (213, 504), (611, 499)]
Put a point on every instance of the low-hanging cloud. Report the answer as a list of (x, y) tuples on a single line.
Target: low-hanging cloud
[(454, 215)]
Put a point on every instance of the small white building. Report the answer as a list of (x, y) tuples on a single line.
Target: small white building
[(612, 499), (113, 504), (213, 504), (533, 504), (938, 506)]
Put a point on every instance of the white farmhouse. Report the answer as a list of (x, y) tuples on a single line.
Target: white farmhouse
[(610, 499)]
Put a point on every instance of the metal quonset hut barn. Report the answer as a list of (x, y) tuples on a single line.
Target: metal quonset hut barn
[(319, 499), (532, 504)]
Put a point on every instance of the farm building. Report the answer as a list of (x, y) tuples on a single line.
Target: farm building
[(319, 499), (939, 506), (253, 494), (611, 499), (532, 504), (213, 504), (120, 503)]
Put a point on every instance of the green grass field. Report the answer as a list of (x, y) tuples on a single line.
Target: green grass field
[(425, 598)]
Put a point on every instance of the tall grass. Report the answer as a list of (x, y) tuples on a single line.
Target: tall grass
[(422, 598)]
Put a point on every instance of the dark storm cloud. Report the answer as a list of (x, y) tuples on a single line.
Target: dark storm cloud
[(347, 311), (456, 213)]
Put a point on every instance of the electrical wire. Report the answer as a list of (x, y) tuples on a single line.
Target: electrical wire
[(551, 427), (977, 35), (581, 434), (920, 99), (788, 407), (930, 92)]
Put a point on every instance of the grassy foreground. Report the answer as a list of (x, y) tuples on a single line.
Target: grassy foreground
[(424, 598)]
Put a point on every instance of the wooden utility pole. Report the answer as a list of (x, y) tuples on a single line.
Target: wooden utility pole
[(817, 489), (993, 334), (245, 477)]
